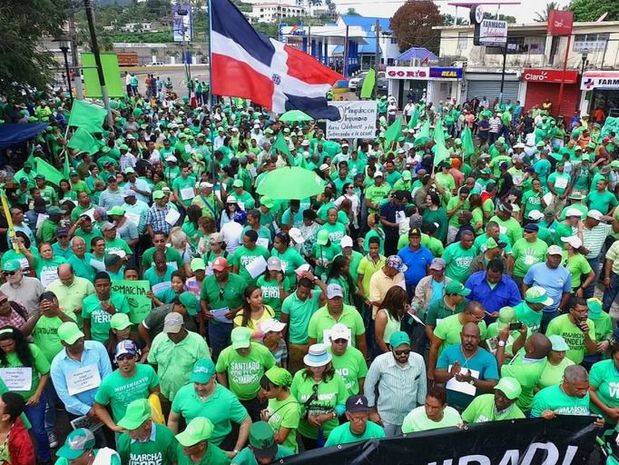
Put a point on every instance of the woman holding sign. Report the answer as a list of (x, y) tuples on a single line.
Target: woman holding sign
[(25, 370)]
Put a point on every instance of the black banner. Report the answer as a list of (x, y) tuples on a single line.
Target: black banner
[(566, 440)]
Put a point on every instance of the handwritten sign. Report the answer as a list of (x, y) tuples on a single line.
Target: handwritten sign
[(17, 379), (83, 379), (358, 120), (136, 293)]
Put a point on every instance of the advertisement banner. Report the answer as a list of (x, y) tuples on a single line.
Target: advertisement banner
[(358, 120), (600, 80), (491, 32), (560, 22), (408, 72), (549, 75), (136, 293), (565, 440), (450, 72), (181, 23)]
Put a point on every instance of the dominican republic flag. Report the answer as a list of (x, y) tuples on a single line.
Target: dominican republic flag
[(248, 65)]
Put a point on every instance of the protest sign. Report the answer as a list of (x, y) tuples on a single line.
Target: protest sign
[(136, 294), (358, 120)]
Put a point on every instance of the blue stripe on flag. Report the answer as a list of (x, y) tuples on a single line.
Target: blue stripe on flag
[(316, 107)]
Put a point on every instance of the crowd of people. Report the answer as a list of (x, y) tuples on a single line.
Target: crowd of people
[(408, 295)]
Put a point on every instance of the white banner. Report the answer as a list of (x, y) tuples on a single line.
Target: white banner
[(492, 32), (358, 120)]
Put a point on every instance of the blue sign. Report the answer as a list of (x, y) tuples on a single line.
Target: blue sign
[(446, 73)]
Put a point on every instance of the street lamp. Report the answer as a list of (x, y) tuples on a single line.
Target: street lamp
[(585, 54), (63, 45)]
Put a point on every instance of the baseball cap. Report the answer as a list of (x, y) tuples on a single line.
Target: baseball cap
[(340, 331), (62, 232), (107, 226), (414, 232), (509, 386), (116, 210), (537, 295), (78, 441), (197, 264), (203, 371), (69, 332), (158, 195), (595, 307), (395, 262), (215, 238), (125, 347), (237, 183), (190, 302), (220, 264), (271, 326), (172, 323), (554, 250), (274, 264), (398, 339), (279, 376), (558, 343), (240, 337), (574, 241), (437, 264), (334, 290), (535, 215), (531, 227), (262, 440), (357, 404), (378, 174), (573, 212), (119, 321), (322, 237), (595, 214), (406, 175), (128, 193), (267, 202), (346, 241), (507, 315), (455, 287), (199, 429), (11, 265), (231, 199), (296, 235), (136, 414)]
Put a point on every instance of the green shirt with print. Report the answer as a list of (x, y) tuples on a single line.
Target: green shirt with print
[(555, 399), (45, 336), (245, 372), (528, 316), (528, 372), (116, 245), (40, 367), (271, 294), (352, 367), (458, 261), (322, 321), (604, 378), (449, 329), (573, 335), (483, 409), (171, 255), (244, 257), (526, 254), (160, 449), (99, 318), (285, 414), (343, 434)]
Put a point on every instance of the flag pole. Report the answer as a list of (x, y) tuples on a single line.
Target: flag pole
[(210, 58)]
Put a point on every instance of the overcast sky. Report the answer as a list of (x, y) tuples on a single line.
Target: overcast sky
[(524, 13)]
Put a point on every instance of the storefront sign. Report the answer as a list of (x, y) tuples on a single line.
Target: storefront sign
[(549, 75), (491, 33), (560, 23), (600, 80), (358, 120), (446, 73), (421, 73)]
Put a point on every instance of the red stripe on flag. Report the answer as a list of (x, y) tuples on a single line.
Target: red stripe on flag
[(307, 69), (234, 78)]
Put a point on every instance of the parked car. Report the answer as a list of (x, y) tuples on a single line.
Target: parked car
[(381, 84), (354, 83)]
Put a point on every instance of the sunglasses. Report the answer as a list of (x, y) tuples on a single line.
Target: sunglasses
[(9, 273), (341, 341), (400, 353), (124, 357)]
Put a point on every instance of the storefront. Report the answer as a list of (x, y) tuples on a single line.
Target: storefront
[(432, 84), (480, 85), (601, 90), (543, 84)]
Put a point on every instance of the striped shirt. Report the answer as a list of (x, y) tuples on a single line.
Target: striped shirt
[(400, 388), (593, 239), (156, 218)]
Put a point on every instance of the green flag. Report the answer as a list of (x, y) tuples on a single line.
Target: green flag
[(425, 130), (280, 145), (467, 142), (368, 84), (82, 141), (393, 132), (66, 167), (439, 133), (412, 122), (440, 154), (51, 174), (87, 115)]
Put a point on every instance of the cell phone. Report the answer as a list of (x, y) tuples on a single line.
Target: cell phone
[(515, 326)]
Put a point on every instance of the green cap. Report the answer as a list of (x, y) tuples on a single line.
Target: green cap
[(190, 302), (406, 175), (509, 386), (77, 443), (240, 337), (197, 264), (279, 376), (119, 321), (237, 183), (11, 265), (491, 243), (540, 144), (116, 210), (455, 287), (262, 440), (507, 315), (322, 237), (199, 429), (537, 295), (398, 339), (595, 307), (158, 195), (136, 414), (69, 332), (267, 202), (203, 371)]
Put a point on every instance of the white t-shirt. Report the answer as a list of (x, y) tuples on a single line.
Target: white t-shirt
[(232, 232)]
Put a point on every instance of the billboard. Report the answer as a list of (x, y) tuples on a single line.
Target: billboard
[(408, 72), (491, 32), (560, 23), (550, 75), (181, 23)]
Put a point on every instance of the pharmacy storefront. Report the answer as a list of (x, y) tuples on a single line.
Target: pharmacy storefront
[(432, 84), (600, 90)]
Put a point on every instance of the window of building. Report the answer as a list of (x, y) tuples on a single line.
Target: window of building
[(463, 40), (590, 42)]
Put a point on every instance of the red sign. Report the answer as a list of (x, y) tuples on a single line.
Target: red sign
[(549, 75), (560, 23)]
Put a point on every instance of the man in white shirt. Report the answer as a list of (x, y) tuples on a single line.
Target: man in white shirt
[(233, 230)]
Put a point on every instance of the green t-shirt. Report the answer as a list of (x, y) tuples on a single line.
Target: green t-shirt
[(417, 420), (245, 372), (352, 367), (160, 449), (438, 310), (449, 329), (603, 326), (560, 181), (115, 458), (286, 414), (528, 316), (221, 407), (343, 435), (483, 409), (99, 318), (526, 254), (604, 378), (243, 257), (575, 338), (554, 398), (291, 260), (531, 200), (116, 245), (528, 372), (229, 295), (329, 395), (336, 231), (271, 295), (512, 227), (602, 201), (171, 255), (577, 265), (458, 261), (45, 336), (40, 367), (118, 391), (213, 456), (322, 321), (299, 314), (553, 374)]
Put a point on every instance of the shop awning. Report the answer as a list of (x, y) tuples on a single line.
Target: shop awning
[(417, 53)]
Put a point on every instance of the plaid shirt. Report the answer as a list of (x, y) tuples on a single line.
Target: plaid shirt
[(156, 218), (14, 319)]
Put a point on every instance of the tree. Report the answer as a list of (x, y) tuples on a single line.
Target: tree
[(508, 19), (591, 10), (542, 16), (23, 64), (448, 20), (413, 22), (352, 12)]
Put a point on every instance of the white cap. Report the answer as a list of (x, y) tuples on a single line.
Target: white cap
[(519, 145), (535, 215), (595, 214), (339, 331), (295, 234), (378, 173), (305, 143), (346, 241), (334, 290), (554, 250), (204, 185), (271, 326), (170, 158), (574, 241), (274, 264), (323, 167), (573, 212), (344, 144)]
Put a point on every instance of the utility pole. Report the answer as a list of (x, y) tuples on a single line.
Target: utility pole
[(309, 40), (503, 73), (376, 56), (79, 94), (95, 50), (345, 70)]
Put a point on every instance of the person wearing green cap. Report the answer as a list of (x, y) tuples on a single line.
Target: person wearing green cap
[(195, 447), (603, 325), (144, 440), (530, 310), (204, 397), (556, 364), (79, 449), (262, 449), (498, 406)]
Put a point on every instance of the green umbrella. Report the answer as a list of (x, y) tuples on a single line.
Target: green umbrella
[(294, 116), (291, 183)]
